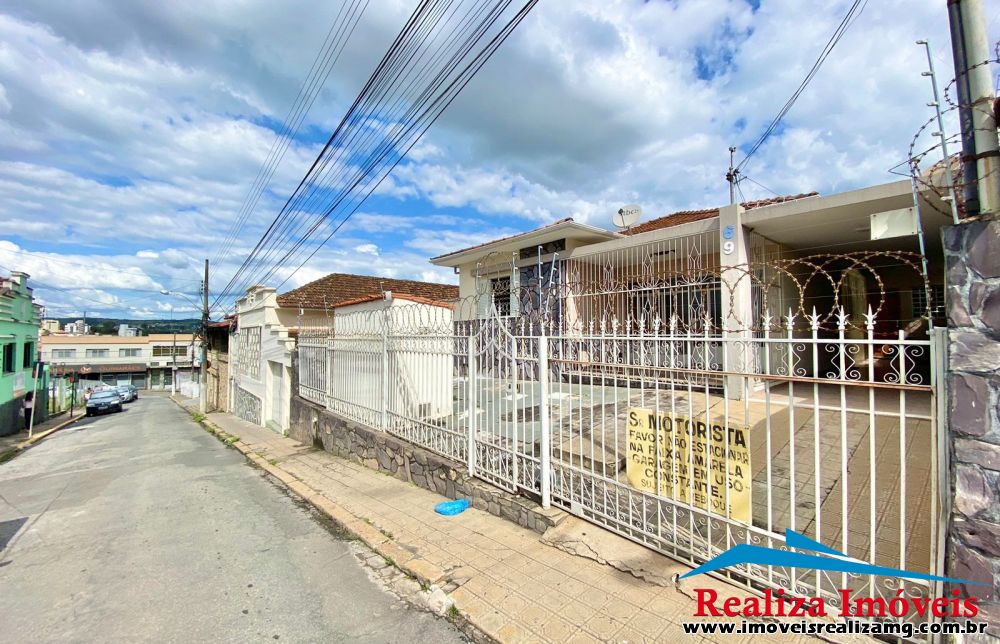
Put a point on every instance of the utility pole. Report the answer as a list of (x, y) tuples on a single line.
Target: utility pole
[(34, 397), (731, 176), (941, 133), (975, 98), (203, 387), (173, 355)]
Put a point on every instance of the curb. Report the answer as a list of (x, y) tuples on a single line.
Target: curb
[(26, 444), (424, 572), (48, 432)]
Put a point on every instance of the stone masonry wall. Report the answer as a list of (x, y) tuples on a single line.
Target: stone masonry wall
[(312, 424), (218, 380), (972, 251)]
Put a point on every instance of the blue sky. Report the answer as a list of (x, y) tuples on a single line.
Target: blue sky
[(130, 132)]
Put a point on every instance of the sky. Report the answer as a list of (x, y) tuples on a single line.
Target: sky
[(131, 132)]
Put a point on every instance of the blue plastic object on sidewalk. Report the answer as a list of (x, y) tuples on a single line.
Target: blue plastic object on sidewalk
[(451, 508)]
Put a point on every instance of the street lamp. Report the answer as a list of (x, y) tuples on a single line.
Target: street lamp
[(202, 385)]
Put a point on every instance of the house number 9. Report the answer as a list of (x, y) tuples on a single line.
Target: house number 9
[(728, 248)]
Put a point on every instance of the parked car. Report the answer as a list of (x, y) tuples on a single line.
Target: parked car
[(104, 402), (126, 393), (134, 390)]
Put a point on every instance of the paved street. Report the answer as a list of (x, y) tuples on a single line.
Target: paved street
[(140, 526)]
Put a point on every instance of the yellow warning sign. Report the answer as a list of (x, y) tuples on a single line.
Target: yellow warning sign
[(688, 461)]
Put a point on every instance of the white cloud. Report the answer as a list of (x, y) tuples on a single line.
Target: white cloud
[(129, 138)]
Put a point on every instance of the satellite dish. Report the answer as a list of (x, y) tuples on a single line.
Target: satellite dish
[(627, 216)]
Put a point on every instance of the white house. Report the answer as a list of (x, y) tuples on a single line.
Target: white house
[(267, 324)]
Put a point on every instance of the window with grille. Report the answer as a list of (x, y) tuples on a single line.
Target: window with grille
[(169, 350), (8, 358), (63, 353), (500, 287), (128, 353), (919, 299), (690, 301), (98, 353)]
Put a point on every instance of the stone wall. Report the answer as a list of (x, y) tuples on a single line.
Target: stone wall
[(972, 251), (11, 420), (218, 381), (312, 424)]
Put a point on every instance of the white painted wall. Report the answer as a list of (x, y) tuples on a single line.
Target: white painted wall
[(272, 382), (418, 352)]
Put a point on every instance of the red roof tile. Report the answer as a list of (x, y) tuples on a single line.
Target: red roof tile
[(398, 296), (687, 216), (336, 289)]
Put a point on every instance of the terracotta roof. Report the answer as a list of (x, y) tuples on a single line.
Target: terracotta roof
[(397, 296), (687, 216), (337, 288)]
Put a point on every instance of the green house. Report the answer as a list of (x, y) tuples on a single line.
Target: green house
[(19, 320)]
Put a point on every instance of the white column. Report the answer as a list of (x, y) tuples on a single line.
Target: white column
[(735, 297)]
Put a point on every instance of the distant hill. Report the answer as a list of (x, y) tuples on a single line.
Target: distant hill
[(109, 326)]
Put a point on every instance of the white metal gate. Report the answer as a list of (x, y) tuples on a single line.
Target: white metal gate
[(687, 433), (510, 404)]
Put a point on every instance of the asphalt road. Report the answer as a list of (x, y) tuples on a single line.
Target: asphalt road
[(139, 526)]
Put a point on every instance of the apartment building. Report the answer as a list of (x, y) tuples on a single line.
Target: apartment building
[(127, 331), (157, 361), (80, 327)]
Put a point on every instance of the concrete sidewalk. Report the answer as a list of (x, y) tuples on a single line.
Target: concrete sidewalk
[(13, 444), (503, 580)]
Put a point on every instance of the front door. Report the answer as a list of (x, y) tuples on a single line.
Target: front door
[(277, 411)]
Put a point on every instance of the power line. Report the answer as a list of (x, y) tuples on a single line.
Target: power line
[(852, 14), (59, 260), (360, 168), (327, 57), (386, 145), (759, 185), (74, 292), (347, 147)]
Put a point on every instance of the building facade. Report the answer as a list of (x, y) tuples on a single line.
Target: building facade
[(261, 359), (161, 361), (19, 326), (80, 327), (51, 326), (127, 331), (266, 326)]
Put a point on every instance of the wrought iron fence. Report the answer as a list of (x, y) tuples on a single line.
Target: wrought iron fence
[(689, 435)]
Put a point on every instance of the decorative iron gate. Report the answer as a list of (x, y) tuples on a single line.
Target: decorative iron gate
[(510, 404), (688, 434)]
